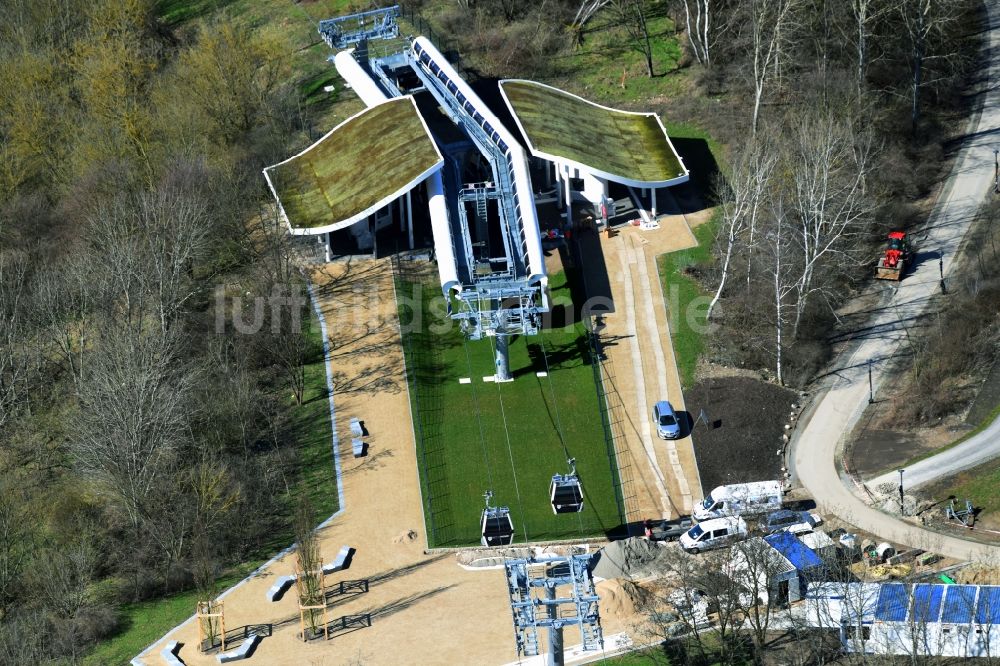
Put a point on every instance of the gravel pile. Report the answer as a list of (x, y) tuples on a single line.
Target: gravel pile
[(630, 558)]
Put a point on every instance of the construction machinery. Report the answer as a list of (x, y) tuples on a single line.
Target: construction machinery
[(893, 262)]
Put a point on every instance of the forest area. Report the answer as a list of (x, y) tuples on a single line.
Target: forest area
[(147, 444), (145, 449)]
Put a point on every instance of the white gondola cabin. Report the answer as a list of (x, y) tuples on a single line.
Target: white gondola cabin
[(497, 528), (565, 491)]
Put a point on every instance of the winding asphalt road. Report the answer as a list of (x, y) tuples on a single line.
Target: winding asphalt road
[(832, 417)]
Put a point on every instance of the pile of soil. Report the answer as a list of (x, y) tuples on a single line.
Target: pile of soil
[(621, 598), (746, 419), (629, 558)]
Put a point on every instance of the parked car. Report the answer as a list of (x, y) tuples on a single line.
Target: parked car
[(667, 425), (716, 533), (796, 522), (740, 499), (668, 530)]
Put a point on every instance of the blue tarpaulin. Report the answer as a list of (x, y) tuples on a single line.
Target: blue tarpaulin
[(793, 550)]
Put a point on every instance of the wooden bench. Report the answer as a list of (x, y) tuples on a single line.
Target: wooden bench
[(280, 586), (241, 652), (339, 562), (169, 654)]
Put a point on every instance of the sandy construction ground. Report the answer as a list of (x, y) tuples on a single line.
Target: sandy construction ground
[(424, 609), (662, 477)]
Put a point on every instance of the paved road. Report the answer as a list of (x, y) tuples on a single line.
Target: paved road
[(819, 440), (976, 450)]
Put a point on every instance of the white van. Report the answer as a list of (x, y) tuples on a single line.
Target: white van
[(740, 499), (715, 533)]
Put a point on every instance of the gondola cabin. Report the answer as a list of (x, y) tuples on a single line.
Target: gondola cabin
[(497, 528), (565, 492)]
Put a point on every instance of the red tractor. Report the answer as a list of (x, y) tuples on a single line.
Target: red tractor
[(893, 262)]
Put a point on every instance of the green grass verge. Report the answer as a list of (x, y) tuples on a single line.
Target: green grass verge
[(980, 484), (458, 460), (147, 621), (686, 301)]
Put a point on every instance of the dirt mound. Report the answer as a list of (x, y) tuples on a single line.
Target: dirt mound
[(409, 536), (621, 598), (978, 574), (629, 558)]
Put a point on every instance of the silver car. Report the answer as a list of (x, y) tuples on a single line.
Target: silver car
[(667, 425)]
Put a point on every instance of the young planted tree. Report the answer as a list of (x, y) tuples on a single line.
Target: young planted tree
[(633, 14), (926, 24)]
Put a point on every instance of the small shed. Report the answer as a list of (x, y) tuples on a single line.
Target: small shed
[(777, 568), (821, 544)]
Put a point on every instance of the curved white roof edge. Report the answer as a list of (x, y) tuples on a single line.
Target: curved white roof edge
[(584, 167), (343, 224), (522, 181), (441, 231), (613, 177)]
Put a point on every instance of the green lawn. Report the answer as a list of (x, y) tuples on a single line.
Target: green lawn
[(457, 458), (595, 68), (147, 621), (979, 484)]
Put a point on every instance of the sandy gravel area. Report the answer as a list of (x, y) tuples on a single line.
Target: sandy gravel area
[(662, 477), (424, 609)]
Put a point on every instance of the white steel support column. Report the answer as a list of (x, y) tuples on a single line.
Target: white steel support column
[(653, 195), (569, 198), (326, 246), (409, 217)]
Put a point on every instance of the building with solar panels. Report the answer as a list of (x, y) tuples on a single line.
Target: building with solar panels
[(926, 619)]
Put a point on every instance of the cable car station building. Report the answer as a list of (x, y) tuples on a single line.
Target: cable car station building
[(428, 147)]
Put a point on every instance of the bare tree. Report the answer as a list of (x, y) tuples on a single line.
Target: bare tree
[(585, 12), (747, 187), (771, 23), (830, 167), (133, 415), (700, 33), (14, 545), (782, 281), (926, 24), (864, 14), (13, 361), (632, 14)]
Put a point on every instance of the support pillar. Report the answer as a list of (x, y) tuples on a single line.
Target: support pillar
[(569, 198), (409, 218), (555, 654), (503, 359), (549, 167), (652, 191), (326, 246)]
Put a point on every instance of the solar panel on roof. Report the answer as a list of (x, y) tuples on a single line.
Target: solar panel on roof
[(892, 603), (959, 604), (927, 602), (988, 608)]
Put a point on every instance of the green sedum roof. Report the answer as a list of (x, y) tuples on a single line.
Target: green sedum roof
[(371, 157), (633, 146)]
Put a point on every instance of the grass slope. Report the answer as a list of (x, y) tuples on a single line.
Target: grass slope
[(462, 455), (147, 621)]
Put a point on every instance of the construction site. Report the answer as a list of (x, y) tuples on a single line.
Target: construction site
[(483, 257)]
